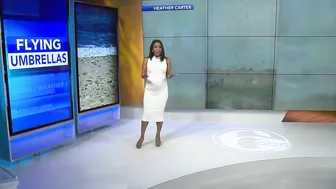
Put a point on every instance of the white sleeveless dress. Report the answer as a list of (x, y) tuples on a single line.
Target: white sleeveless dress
[(156, 90)]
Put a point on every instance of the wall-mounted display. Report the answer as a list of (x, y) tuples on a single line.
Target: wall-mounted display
[(97, 56), (37, 67)]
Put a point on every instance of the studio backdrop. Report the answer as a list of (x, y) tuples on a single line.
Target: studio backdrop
[(247, 54)]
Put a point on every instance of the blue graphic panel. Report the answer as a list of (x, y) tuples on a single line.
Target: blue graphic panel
[(38, 74)]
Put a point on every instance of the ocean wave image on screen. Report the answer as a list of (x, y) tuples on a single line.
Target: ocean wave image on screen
[(97, 52)]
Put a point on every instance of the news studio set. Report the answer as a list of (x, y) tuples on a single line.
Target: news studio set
[(251, 104)]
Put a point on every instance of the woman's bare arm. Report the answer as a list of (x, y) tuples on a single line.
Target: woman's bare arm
[(144, 68), (170, 74)]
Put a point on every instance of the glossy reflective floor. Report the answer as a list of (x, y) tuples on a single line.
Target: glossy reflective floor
[(293, 173), (108, 159)]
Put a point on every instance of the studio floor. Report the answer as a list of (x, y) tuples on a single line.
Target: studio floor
[(107, 158)]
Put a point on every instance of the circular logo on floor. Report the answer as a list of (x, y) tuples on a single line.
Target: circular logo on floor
[(249, 140)]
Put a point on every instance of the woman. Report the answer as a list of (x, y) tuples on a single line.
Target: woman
[(156, 68)]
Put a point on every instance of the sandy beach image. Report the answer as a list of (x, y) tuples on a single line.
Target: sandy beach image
[(98, 81), (97, 56)]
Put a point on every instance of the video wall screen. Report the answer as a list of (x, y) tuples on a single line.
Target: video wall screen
[(37, 63), (174, 18), (97, 56)]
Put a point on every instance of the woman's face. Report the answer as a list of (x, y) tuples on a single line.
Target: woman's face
[(157, 49)]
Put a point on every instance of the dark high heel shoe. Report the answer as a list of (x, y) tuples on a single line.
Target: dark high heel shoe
[(139, 143), (157, 141)]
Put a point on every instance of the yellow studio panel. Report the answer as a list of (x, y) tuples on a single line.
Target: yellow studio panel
[(130, 50)]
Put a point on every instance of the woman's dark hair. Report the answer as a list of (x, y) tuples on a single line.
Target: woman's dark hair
[(151, 53)]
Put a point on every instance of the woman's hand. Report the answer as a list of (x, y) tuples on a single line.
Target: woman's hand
[(144, 75), (170, 75)]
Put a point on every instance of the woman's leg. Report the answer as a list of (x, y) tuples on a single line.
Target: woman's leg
[(144, 125), (158, 134)]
